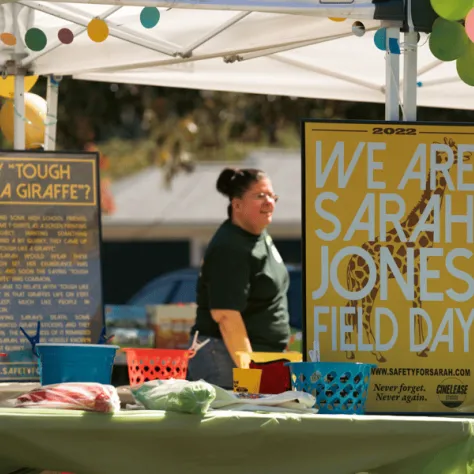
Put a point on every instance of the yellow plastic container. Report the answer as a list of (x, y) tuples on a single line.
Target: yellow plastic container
[(247, 380), (259, 357)]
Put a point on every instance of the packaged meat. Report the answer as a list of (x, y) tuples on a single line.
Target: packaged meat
[(72, 396)]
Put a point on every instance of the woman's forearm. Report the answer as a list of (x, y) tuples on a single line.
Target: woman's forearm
[(234, 334)]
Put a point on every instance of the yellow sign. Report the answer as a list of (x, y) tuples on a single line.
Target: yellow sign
[(388, 241)]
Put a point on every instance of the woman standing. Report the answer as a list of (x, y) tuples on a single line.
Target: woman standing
[(243, 282)]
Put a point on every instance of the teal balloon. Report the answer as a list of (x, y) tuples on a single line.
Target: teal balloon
[(448, 40), (149, 17), (453, 10), (465, 66), (380, 39)]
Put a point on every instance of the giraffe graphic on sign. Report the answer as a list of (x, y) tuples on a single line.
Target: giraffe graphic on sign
[(358, 270)]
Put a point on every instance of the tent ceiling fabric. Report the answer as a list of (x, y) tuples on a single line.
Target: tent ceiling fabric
[(350, 69), (279, 47), (181, 34)]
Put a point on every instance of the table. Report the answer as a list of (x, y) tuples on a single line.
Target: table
[(232, 443)]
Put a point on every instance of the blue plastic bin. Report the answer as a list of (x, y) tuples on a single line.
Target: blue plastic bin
[(339, 387), (60, 363)]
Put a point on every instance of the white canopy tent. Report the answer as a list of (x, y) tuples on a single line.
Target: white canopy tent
[(198, 35), (181, 35)]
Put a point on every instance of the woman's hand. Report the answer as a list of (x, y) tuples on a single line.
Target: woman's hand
[(234, 334), (244, 359)]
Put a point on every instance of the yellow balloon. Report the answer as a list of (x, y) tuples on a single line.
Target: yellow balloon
[(34, 120), (7, 85)]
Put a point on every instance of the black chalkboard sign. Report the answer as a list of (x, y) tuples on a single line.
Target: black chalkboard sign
[(50, 268)]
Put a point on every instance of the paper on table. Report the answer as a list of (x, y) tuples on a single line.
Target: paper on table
[(226, 398)]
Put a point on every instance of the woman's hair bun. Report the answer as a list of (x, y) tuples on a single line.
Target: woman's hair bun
[(225, 181)]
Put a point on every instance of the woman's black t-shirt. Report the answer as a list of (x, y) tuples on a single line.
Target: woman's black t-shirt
[(245, 273)]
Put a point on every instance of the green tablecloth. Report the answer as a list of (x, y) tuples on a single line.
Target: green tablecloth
[(144, 442)]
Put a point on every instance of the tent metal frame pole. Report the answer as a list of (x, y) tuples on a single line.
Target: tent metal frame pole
[(410, 76), (52, 94), (326, 72), (19, 94), (429, 67), (188, 51), (325, 9), (168, 62), (392, 76), (19, 112), (272, 51)]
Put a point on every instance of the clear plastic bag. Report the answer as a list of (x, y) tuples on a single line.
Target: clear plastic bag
[(175, 395), (72, 396)]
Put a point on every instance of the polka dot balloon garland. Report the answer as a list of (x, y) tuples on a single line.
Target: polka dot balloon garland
[(149, 17), (8, 39), (35, 39), (451, 39), (452, 36), (66, 36), (97, 31)]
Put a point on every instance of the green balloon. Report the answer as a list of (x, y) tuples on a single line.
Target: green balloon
[(448, 40), (465, 66), (453, 10)]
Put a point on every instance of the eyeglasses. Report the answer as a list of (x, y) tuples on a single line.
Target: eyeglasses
[(263, 196)]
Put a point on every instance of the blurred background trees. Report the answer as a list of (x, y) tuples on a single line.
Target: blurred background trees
[(138, 126)]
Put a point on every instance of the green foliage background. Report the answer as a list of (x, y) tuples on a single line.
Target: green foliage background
[(133, 125)]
